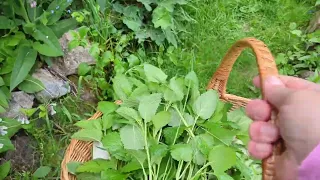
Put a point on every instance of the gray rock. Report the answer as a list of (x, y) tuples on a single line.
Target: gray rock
[(314, 23), (19, 100), (68, 64), (55, 87), (306, 74)]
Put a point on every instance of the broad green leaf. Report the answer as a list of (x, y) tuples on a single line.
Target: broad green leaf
[(122, 86), (146, 4), (131, 166), (161, 17), (5, 169), (90, 124), (170, 95), (31, 85), (226, 136), (240, 118), (132, 137), (88, 135), (133, 60), (42, 172), (3, 100), (154, 74), (189, 119), (63, 26), (47, 43), (161, 119), (112, 142), (138, 155), (192, 79), (6, 23), (7, 66), (171, 37), (107, 107), (107, 121), (83, 31), (168, 4), (83, 69), (158, 152), (72, 167), (206, 104), (133, 23), (25, 60), (13, 126), (140, 92), (96, 165), (222, 158), (175, 119), (86, 176), (128, 113), (177, 86), (198, 157), (182, 152), (111, 174), (171, 134), (7, 145), (148, 106), (56, 10), (205, 143)]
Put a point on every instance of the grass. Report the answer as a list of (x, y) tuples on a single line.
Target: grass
[(220, 23)]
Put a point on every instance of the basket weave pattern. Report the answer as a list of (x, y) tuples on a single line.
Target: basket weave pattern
[(81, 151)]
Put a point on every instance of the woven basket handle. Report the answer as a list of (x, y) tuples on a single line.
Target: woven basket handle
[(267, 67)]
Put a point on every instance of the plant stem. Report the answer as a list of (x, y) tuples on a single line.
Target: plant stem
[(184, 121), (147, 150), (200, 170), (25, 14)]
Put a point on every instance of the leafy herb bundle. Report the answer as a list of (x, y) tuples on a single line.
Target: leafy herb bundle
[(166, 129)]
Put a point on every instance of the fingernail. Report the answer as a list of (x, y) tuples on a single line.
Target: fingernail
[(275, 81), (262, 147), (268, 131)]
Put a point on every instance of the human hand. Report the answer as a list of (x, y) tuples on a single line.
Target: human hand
[(298, 104)]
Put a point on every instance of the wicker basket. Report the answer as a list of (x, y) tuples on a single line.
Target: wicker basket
[(82, 151)]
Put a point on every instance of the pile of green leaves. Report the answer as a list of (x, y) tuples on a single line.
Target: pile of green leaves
[(304, 55), (166, 129), (29, 35)]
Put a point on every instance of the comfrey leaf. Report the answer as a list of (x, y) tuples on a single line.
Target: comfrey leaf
[(132, 137), (206, 104), (148, 106)]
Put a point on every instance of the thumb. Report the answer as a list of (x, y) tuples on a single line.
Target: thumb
[(275, 91)]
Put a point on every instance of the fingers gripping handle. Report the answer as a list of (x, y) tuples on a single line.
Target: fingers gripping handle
[(267, 67)]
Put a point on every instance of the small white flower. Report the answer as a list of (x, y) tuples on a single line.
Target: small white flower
[(47, 37), (33, 4), (57, 7), (0, 119), (69, 1), (23, 120), (52, 11), (3, 130), (1, 145)]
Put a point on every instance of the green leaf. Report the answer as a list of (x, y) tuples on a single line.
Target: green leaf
[(48, 43), (175, 120), (96, 165), (158, 152), (148, 106), (90, 124), (107, 107), (86, 176), (132, 137), (7, 145), (205, 143), (226, 136), (240, 118), (192, 79), (83, 30), (172, 133), (13, 126), (131, 166), (154, 74), (122, 86), (133, 23), (31, 85), (3, 100), (222, 158), (42, 172), (107, 121), (161, 119), (72, 167), (161, 17), (25, 60), (83, 69), (128, 113), (111, 174), (56, 10), (206, 104), (5, 169), (112, 142), (138, 155), (133, 60), (177, 86), (6, 23), (88, 135), (182, 152), (171, 37), (63, 26), (146, 4)]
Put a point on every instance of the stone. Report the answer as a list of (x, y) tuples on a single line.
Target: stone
[(68, 64), (314, 24), (24, 158), (87, 93), (55, 87), (18, 100), (306, 74)]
